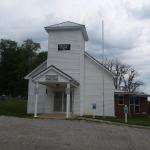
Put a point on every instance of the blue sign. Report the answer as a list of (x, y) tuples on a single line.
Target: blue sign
[(94, 106), (125, 109)]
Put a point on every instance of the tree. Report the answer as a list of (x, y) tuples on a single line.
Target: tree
[(118, 69), (125, 75), (41, 57), (15, 65), (130, 82), (31, 48), (8, 73)]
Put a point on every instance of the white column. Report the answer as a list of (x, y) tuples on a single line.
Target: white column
[(36, 98), (68, 101)]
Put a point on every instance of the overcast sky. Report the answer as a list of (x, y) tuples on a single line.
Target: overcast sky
[(126, 23)]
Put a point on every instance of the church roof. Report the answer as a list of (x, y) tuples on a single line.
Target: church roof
[(98, 63), (42, 67), (72, 80), (38, 69), (68, 26)]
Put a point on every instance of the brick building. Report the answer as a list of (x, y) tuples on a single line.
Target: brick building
[(137, 103)]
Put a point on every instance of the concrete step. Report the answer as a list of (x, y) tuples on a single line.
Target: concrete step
[(52, 116)]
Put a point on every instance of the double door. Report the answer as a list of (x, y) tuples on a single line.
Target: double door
[(60, 102), (60, 99)]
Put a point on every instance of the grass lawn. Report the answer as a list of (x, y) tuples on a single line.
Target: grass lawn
[(14, 107), (136, 120)]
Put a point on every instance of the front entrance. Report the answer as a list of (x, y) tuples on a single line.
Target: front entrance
[(59, 102), (60, 99)]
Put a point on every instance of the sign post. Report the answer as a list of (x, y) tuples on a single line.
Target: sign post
[(125, 109), (68, 101), (36, 91), (94, 109)]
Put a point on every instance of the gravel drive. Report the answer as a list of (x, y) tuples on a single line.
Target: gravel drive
[(36, 134)]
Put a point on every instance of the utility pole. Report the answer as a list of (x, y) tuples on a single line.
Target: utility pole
[(103, 67)]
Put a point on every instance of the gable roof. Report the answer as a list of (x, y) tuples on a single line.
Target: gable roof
[(72, 80), (98, 63), (66, 23), (68, 26), (43, 67)]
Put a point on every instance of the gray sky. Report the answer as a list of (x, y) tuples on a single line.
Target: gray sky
[(127, 26)]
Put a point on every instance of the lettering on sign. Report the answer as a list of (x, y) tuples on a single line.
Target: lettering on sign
[(51, 77)]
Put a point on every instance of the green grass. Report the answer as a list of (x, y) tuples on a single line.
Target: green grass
[(136, 120), (14, 107)]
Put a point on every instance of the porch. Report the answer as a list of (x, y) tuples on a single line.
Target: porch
[(60, 97), (57, 89)]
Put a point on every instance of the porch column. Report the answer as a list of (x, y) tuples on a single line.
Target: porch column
[(68, 101), (36, 90)]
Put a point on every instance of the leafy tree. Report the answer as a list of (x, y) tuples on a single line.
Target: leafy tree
[(8, 73), (16, 63), (41, 57), (31, 48)]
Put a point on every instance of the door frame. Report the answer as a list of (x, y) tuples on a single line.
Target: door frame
[(62, 102), (64, 98)]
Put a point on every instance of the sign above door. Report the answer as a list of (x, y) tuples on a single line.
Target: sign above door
[(51, 77)]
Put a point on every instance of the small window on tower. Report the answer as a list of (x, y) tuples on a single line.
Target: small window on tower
[(64, 47)]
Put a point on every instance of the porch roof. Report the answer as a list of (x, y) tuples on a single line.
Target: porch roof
[(58, 71)]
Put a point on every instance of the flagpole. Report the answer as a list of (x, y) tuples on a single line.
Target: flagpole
[(103, 66)]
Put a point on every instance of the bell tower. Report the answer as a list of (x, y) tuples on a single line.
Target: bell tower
[(66, 46)]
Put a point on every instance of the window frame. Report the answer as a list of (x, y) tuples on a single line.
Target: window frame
[(119, 100), (134, 98), (136, 105), (61, 49)]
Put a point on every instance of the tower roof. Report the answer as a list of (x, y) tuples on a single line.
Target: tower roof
[(68, 26)]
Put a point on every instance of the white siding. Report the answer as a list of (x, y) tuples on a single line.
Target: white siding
[(67, 61), (45, 101), (82, 69), (49, 101), (41, 78), (70, 62), (76, 102), (93, 89)]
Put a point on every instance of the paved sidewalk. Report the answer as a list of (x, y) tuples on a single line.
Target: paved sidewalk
[(37, 134)]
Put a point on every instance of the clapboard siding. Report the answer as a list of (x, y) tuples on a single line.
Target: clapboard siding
[(67, 61), (70, 62), (45, 101), (76, 102), (94, 89), (82, 68)]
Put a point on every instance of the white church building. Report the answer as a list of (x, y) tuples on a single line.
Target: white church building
[(70, 81)]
